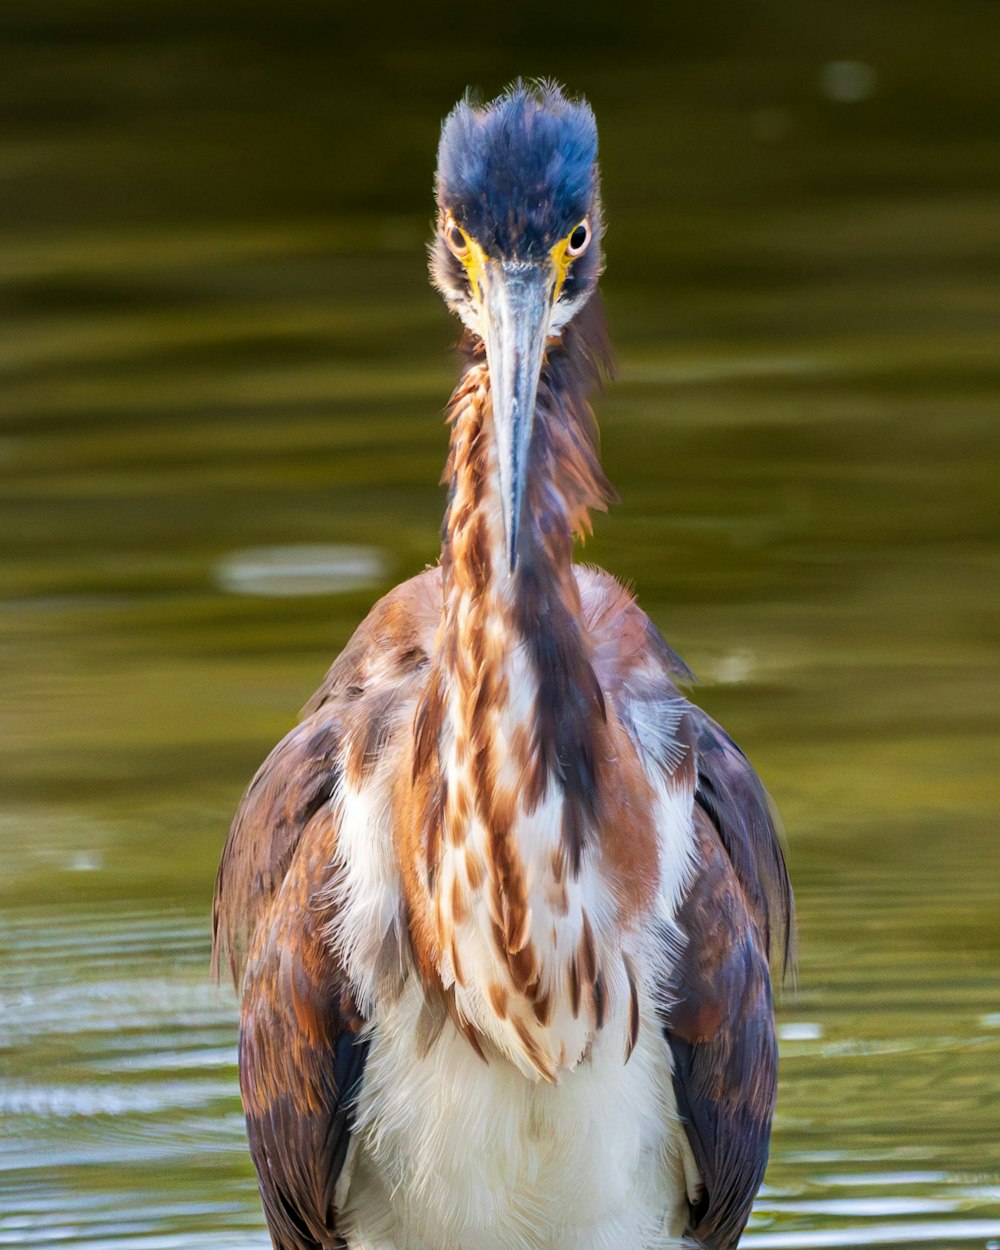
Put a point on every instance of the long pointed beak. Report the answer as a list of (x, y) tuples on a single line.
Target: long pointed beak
[(517, 305)]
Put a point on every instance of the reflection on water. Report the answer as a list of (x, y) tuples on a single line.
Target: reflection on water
[(121, 1124), (290, 571), (119, 1065), (939, 1232), (222, 375)]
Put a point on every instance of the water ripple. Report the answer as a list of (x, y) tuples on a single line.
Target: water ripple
[(301, 570), (61, 1101), (874, 1235)]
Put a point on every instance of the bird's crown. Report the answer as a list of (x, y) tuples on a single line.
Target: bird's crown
[(518, 173)]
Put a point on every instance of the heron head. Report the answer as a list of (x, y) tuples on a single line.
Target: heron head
[(517, 251)]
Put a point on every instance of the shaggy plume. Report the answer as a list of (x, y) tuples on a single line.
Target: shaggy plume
[(520, 172)]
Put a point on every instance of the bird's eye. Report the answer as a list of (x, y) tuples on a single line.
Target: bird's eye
[(579, 239), (456, 239)]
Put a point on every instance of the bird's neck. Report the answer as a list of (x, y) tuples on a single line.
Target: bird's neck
[(513, 744), (564, 482), (516, 654)]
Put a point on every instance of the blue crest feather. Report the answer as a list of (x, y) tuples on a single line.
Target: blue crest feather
[(521, 171)]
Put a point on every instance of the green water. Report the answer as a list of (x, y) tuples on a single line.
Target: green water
[(218, 337)]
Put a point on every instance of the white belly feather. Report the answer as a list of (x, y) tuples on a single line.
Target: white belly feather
[(452, 1153)]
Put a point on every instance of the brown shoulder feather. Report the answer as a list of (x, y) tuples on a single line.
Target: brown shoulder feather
[(383, 659)]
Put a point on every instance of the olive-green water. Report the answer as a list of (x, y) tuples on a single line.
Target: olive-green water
[(221, 381)]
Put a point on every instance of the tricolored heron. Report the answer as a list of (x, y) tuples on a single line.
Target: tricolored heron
[(502, 905)]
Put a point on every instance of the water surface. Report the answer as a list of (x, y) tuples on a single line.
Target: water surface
[(222, 380)]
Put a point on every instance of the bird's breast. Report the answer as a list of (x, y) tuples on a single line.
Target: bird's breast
[(534, 946)]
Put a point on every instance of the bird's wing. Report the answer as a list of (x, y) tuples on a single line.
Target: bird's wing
[(714, 981), (302, 1038), (719, 1023), (301, 1052), (742, 814)]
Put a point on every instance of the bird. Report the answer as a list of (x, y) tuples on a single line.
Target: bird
[(503, 907)]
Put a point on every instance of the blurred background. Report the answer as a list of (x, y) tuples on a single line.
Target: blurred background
[(222, 376)]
